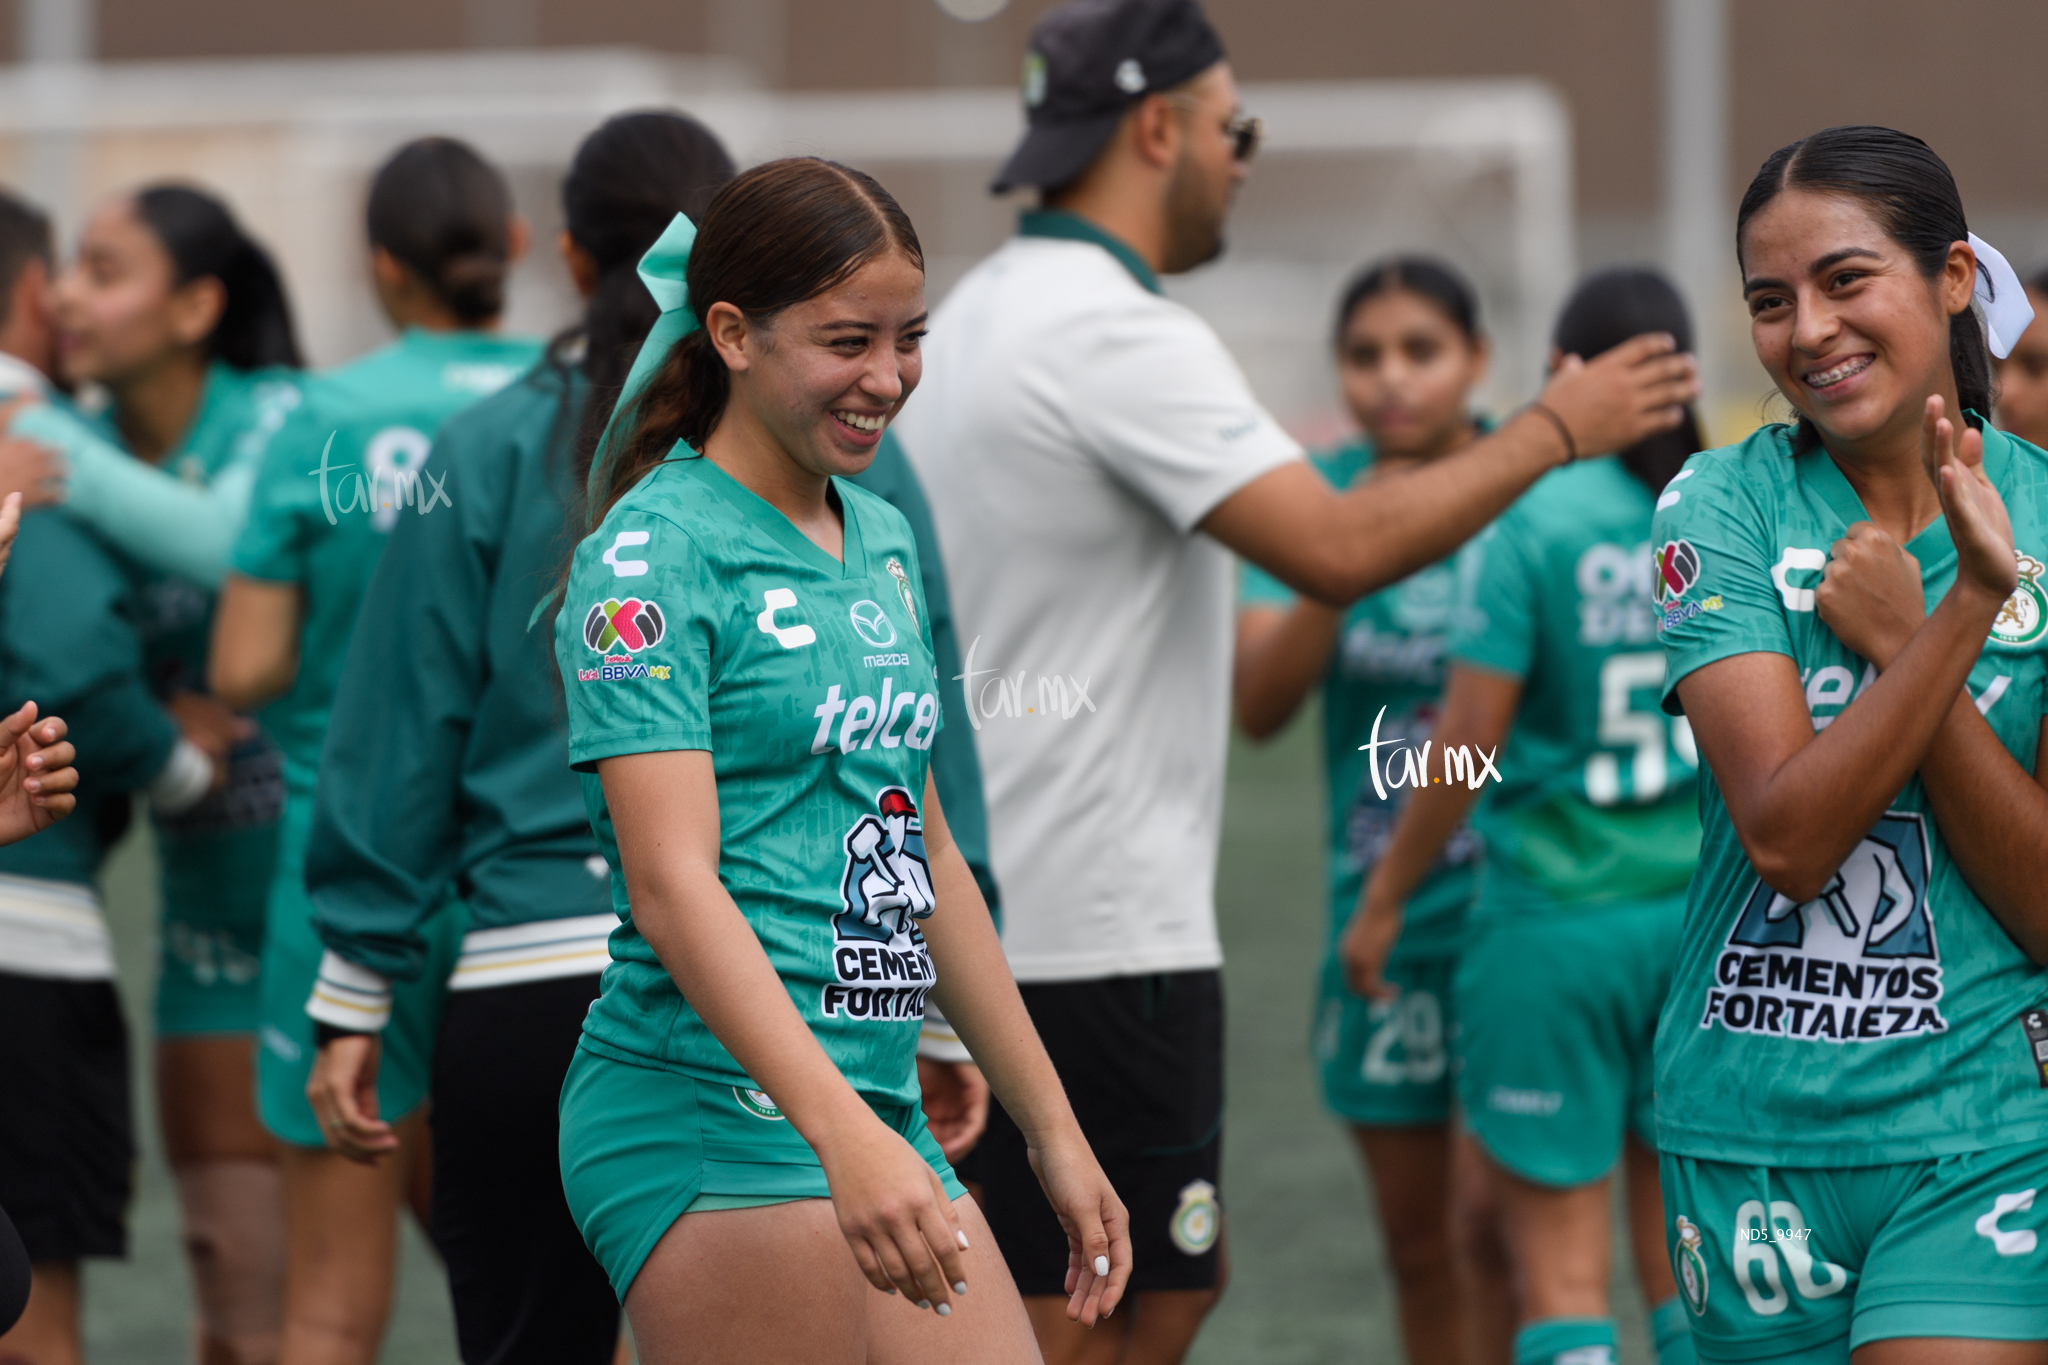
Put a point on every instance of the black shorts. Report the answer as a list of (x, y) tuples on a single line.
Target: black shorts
[(1141, 1058), (67, 1129), (526, 1290)]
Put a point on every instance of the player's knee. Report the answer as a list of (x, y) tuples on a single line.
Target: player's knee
[(1476, 1237), (1420, 1252)]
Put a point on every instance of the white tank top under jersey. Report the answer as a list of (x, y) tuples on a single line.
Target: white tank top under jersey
[(1071, 430)]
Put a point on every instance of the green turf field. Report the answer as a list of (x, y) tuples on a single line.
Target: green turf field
[(1309, 1282)]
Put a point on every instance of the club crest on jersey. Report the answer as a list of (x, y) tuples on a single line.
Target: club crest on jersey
[(896, 571), (2024, 617), (632, 625), (1690, 1267), (881, 966), (1677, 568), (1856, 964), (1196, 1219)]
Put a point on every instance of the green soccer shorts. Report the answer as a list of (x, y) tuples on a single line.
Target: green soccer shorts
[(1386, 1064), (291, 963), (210, 944), (642, 1146), (1801, 1266), (1557, 1020)]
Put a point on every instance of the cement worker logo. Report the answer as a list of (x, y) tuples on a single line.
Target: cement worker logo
[(632, 625), (1690, 1266), (1856, 963), (2024, 616), (1677, 568), (896, 571), (880, 964)]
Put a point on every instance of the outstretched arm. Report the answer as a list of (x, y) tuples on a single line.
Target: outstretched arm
[(177, 527), (1281, 654), (1337, 547), (980, 998)]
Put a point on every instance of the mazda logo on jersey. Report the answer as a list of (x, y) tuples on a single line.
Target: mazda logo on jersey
[(632, 625), (872, 623)]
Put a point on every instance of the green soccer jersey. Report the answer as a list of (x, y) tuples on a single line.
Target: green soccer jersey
[(1595, 802), (1880, 1022), (350, 461), (1384, 679), (698, 617)]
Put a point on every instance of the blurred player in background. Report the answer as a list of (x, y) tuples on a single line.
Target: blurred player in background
[(1410, 353), (453, 771), (2022, 374), (1850, 1096), (1076, 430), (1590, 841), (351, 461), (180, 319)]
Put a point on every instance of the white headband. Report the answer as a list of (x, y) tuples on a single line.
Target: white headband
[(2001, 297)]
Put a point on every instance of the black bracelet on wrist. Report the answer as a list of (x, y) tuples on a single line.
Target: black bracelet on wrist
[(1571, 447), (325, 1033)]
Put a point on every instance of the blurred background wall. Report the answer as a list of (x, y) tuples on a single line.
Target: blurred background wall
[(1646, 116)]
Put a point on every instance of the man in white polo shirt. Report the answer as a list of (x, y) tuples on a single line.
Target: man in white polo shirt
[(1092, 454)]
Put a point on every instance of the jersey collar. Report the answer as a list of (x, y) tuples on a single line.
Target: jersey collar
[(769, 519), (1933, 546), (1072, 227)]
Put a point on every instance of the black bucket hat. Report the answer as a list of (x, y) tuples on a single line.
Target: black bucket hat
[(1088, 62)]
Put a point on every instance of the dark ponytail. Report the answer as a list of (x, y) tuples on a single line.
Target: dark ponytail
[(444, 213), (773, 237), (1909, 190), (628, 181), (204, 241), (1607, 309), (1423, 276)]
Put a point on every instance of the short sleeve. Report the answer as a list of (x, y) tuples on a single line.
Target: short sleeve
[(635, 640), (1499, 589), (1157, 398), (1710, 546), (293, 491)]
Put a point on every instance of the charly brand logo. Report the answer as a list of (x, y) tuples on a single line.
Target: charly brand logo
[(2024, 616), (1467, 763), (627, 540), (2009, 1241), (872, 624), (879, 959), (1690, 1266), (1858, 963), (396, 478), (1034, 80), (789, 637), (1058, 695)]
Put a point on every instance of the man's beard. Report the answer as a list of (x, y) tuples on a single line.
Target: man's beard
[(1194, 224)]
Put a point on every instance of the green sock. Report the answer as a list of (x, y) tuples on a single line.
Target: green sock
[(1671, 1328), (1566, 1341)]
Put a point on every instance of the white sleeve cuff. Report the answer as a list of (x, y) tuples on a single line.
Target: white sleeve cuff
[(936, 1041), (349, 997), (183, 781)]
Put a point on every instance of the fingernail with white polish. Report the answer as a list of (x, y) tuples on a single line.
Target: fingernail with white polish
[(959, 1286), (1102, 1265), (962, 1238), (945, 1310)]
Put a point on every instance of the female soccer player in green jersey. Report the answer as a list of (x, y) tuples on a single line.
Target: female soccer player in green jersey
[(456, 772), (1851, 1093), (1589, 843), (1409, 355), (174, 311), (353, 460), (744, 649)]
